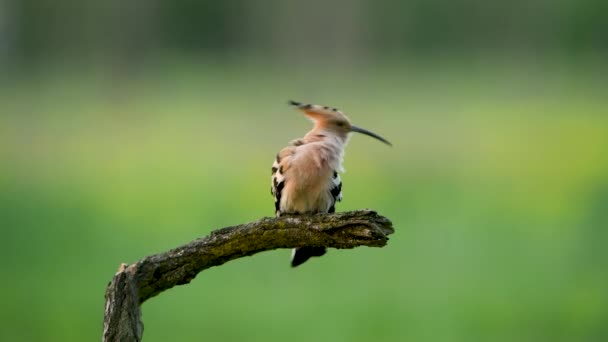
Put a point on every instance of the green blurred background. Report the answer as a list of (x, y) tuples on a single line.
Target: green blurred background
[(130, 127)]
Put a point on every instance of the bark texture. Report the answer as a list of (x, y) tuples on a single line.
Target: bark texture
[(133, 284)]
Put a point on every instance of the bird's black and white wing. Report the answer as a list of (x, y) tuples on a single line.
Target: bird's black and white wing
[(336, 191), (276, 186), (280, 165)]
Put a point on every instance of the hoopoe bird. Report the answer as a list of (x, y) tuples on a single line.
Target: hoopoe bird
[(305, 174)]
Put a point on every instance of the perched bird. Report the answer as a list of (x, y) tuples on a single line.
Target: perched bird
[(305, 177)]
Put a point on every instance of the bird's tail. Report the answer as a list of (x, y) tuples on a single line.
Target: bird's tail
[(301, 254)]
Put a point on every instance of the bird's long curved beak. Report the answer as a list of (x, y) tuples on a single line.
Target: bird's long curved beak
[(371, 134)]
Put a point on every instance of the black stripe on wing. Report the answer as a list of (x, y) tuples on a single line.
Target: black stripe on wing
[(277, 191)]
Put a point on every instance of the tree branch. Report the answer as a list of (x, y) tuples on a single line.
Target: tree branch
[(135, 283)]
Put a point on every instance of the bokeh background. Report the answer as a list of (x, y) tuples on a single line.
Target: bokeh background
[(130, 127)]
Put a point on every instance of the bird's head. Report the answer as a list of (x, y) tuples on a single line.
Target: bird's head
[(332, 120)]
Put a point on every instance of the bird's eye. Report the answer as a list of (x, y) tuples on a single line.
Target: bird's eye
[(340, 124)]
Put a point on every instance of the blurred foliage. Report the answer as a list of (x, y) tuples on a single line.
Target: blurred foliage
[(36, 30)]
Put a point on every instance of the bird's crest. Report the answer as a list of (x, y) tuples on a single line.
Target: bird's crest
[(332, 120)]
